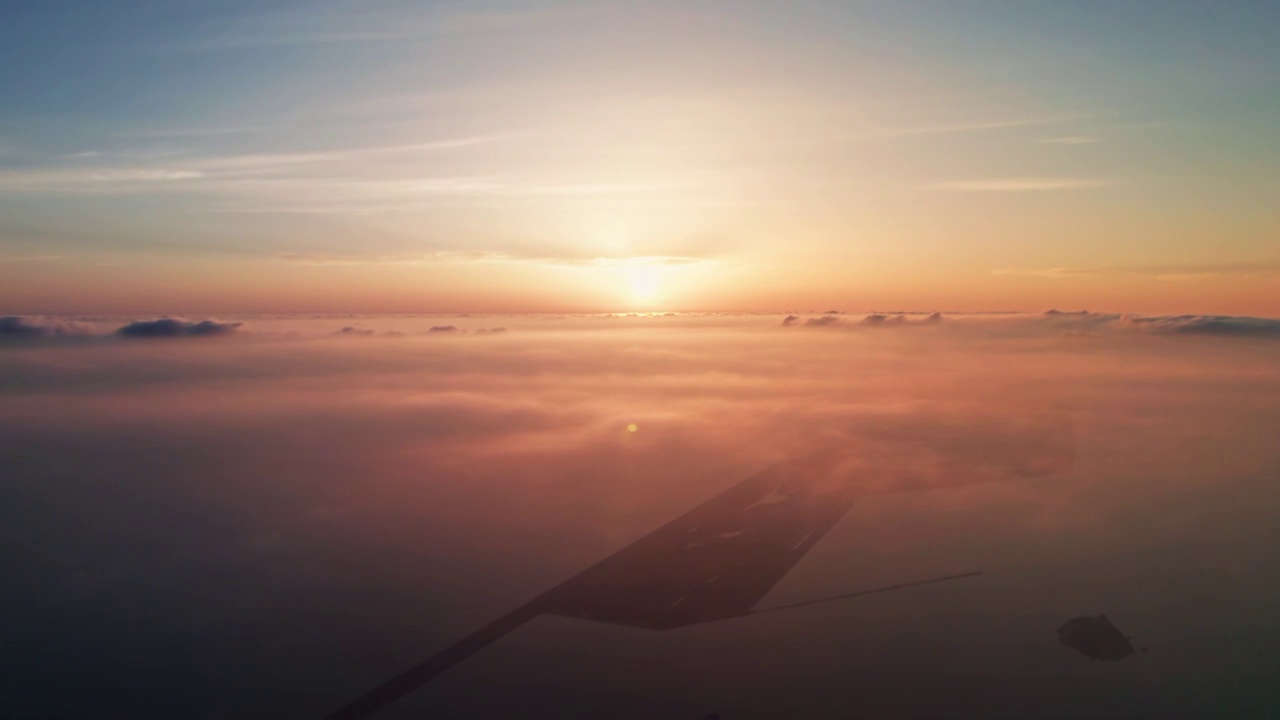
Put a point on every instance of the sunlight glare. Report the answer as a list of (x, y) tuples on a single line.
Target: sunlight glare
[(644, 283)]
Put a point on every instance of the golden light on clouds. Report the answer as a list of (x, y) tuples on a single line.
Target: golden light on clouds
[(635, 284)]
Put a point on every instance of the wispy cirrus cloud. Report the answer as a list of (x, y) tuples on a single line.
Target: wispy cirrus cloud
[(362, 25), (1186, 271), (126, 172), (1049, 272), (360, 180), (1023, 184), (1071, 140), (533, 255), (194, 132), (306, 258), (971, 127), (143, 175), (91, 180), (29, 259), (271, 161), (404, 190)]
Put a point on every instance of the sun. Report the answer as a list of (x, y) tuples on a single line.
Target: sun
[(644, 283)]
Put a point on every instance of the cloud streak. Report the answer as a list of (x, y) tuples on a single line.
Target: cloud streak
[(545, 256), (972, 127), (1023, 184), (229, 172), (29, 258), (1071, 140), (1185, 271), (364, 25), (1050, 272)]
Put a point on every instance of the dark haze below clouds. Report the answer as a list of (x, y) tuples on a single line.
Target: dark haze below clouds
[(259, 526)]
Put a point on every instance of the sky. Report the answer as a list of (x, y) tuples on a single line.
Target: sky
[(416, 157), (268, 520)]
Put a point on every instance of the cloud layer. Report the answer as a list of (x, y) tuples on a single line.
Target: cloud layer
[(1208, 325), (175, 327), (16, 326), (988, 326), (200, 528)]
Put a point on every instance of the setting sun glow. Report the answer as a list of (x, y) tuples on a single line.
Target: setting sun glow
[(644, 283)]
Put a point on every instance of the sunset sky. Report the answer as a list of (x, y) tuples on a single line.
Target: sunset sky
[(395, 156), (336, 334)]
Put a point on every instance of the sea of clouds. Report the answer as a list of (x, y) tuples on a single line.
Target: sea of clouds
[(265, 516)]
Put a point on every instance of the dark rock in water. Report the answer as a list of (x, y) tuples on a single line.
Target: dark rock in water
[(1095, 638)]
